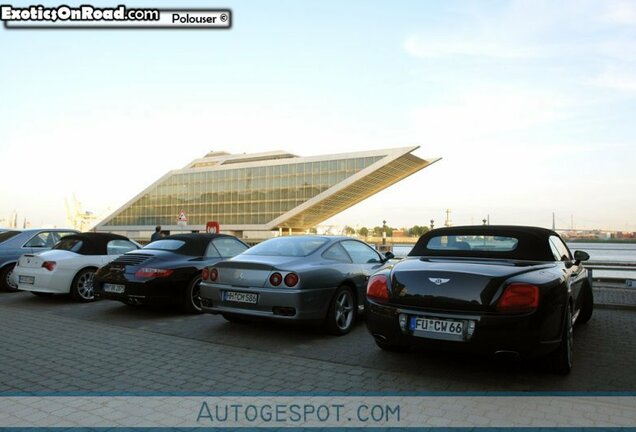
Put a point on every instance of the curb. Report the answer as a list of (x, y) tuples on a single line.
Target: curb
[(615, 306)]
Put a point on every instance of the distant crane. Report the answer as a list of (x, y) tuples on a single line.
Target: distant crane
[(76, 217)]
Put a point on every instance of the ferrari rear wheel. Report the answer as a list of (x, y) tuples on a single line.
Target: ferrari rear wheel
[(561, 358), (192, 297), (82, 286), (342, 311)]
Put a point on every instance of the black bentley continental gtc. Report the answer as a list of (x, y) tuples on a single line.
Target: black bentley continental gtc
[(508, 290)]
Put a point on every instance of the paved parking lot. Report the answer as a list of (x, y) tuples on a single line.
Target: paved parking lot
[(54, 344)]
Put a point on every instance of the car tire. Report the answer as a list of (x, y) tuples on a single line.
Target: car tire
[(5, 275), (191, 297), (560, 361), (342, 312), (233, 318), (42, 294), (82, 286), (587, 304)]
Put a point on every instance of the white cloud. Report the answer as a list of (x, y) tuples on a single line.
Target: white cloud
[(485, 113), (622, 12), (617, 78), (425, 46)]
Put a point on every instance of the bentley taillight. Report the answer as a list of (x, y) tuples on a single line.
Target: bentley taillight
[(519, 298), (377, 289)]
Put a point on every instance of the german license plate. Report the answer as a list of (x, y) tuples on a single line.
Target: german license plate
[(240, 297), (27, 280), (433, 325), (114, 288)]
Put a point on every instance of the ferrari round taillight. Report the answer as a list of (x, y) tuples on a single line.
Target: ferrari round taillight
[(49, 265), (291, 279), (275, 279), (519, 298), (377, 289), (205, 273), (214, 274)]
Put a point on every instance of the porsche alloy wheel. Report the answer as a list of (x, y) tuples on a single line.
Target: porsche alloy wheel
[(342, 311), (192, 298)]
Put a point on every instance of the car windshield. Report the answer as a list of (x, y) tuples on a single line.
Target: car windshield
[(72, 244), (288, 246), (7, 235), (472, 242), (170, 245)]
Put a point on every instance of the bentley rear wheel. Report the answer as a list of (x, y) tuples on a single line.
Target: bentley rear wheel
[(587, 304), (561, 359)]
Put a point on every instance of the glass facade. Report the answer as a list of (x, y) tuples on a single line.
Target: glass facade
[(237, 196)]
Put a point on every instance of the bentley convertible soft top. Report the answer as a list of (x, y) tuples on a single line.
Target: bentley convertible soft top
[(509, 290)]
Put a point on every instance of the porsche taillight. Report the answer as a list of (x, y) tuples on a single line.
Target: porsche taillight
[(519, 298), (378, 289), (149, 273)]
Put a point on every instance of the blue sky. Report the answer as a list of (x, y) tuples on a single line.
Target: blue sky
[(531, 105)]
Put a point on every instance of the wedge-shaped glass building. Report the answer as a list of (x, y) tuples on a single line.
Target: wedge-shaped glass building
[(261, 192)]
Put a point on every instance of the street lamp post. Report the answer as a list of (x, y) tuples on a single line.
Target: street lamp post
[(383, 232)]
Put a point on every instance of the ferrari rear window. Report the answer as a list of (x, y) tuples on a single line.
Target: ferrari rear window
[(287, 246), (472, 243)]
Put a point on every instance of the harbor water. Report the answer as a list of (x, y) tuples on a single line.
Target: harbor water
[(599, 253)]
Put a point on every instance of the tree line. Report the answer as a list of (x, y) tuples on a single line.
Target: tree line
[(376, 231)]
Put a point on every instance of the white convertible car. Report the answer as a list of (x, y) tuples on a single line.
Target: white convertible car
[(69, 267)]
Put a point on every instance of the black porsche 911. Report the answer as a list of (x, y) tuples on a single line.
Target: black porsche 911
[(166, 271), (508, 290)]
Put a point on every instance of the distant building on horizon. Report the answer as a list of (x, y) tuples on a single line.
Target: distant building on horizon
[(251, 195)]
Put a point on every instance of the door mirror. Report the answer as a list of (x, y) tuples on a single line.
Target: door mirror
[(388, 256), (581, 256)]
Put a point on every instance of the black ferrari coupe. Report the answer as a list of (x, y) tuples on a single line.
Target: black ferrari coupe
[(508, 290), (166, 270)]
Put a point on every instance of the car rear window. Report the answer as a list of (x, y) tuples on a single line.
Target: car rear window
[(288, 246), (72, 244), (170, 245), (484, 243), (4, 236)]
